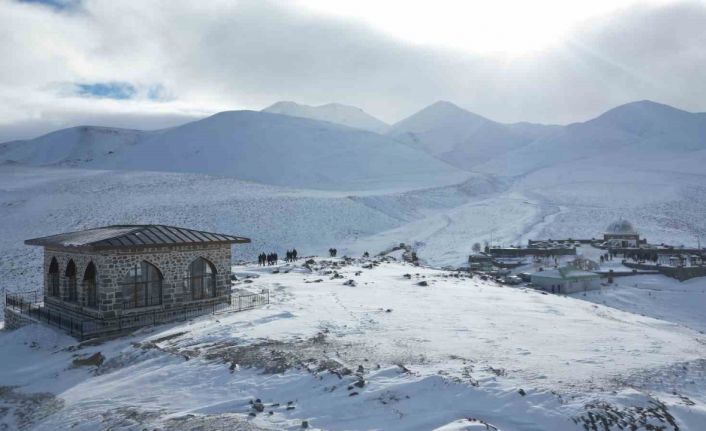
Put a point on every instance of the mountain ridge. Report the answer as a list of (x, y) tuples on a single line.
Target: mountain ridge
[(336, 113)]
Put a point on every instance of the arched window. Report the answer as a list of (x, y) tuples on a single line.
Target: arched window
[(202, 279), (53, 278), (71, 287), (142, 286), (89, 286)]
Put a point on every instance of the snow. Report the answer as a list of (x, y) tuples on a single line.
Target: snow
[(457, 348), (254, 146), (468, 346), (350, 116), (462, 138), (656, 296)]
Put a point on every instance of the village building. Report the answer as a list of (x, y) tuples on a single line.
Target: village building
[(621, 234), (128, 271), (480, 262), (565, 280)]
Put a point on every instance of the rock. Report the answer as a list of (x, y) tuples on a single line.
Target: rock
[(359, 383), (305, 424), (422, 283), (522, 392), (258, 406), (389, 310), (352, 394), (95, 359)]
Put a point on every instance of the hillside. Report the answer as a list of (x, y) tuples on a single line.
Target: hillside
[(337, 113), (644, 134), (247, 145), (462, 138), (381, 352)]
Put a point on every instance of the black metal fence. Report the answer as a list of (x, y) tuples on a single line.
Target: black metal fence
[(85, 327)]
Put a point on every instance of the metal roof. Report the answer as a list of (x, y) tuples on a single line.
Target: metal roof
[(134, 236), (564, 273)]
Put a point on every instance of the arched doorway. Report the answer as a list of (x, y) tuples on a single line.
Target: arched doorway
[(53, 279), (71, 284), (89, 286)]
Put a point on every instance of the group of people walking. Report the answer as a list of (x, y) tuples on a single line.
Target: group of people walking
[(267, 259), (291, 255)]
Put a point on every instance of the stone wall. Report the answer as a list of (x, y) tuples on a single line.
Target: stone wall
[(112, 266), (680, 273)]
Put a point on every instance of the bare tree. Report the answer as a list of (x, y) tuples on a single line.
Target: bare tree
[(476, 247)]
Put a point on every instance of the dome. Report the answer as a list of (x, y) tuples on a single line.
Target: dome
[(621, 227)]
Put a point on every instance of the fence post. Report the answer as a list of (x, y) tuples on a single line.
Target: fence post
[(240, 302)]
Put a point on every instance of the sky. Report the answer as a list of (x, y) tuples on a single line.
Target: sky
[(157, 63)]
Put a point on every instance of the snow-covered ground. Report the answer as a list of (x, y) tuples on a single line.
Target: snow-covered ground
[(383, 352)]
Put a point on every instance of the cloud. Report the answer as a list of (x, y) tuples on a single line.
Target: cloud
[(155, 62)]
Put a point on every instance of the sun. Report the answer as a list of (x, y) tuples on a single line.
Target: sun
[(508, 27)]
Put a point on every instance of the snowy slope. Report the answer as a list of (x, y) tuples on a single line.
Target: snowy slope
[(254, 146), (36, 201), (346, 115), (383, 353), (644, 134), (73, 146), (462, 138)]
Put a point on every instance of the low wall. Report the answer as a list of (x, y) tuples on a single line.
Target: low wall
[(519, 252), (14, 319), (679, 273)]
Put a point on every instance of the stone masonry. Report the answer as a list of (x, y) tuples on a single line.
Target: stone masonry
[(112, 266)]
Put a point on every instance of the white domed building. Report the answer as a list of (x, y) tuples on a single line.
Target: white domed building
[(621, 234)]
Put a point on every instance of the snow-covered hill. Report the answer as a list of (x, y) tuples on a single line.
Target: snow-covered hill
[(462, 138), (73, 147), (640, 134), (383, 351), (254, 146), (346, 115)]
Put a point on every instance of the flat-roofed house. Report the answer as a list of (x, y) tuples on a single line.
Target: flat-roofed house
[(566, 280)]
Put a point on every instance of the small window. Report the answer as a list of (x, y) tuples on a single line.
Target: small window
[(202, 279), (53, 278), (142, 286)]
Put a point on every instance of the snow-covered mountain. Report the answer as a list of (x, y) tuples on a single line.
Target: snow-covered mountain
[(75, 145), (248, 145), (644, 134), (346, 115), (462, 138)]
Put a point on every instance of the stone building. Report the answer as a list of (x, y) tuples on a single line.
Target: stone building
[(125, 270), (621, 234)]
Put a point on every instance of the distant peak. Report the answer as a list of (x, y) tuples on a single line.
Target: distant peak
[(282, 104), (641, 108), (444, 104)]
